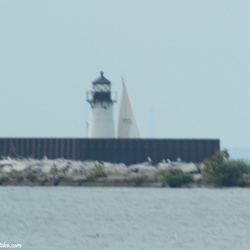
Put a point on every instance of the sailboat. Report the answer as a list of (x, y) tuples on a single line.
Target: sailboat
[(127, 127)]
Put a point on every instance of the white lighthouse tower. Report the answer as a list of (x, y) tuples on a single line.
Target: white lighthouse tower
[(101, 121)]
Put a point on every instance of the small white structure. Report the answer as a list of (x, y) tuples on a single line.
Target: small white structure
[(101, 120)]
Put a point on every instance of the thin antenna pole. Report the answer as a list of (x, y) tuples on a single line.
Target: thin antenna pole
[(151, 122)]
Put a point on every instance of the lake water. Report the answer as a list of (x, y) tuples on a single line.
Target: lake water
[(56, 218)]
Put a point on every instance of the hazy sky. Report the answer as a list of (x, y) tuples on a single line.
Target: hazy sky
[(186, 65)]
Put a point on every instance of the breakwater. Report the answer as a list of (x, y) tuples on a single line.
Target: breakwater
[(46, 172)]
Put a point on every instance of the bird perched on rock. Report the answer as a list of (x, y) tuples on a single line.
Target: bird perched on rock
[(149, 160)]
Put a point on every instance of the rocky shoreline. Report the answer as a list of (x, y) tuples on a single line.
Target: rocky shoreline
[(62, 172)]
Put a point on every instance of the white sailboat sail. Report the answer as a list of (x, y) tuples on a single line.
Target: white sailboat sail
[(127, 127)]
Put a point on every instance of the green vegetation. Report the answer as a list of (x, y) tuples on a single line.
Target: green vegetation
[(174, 177), (220, 171), (3, 177), (96, 173), (32, 177), (140, 180)]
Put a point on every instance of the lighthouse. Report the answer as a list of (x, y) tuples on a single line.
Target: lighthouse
[(101, 120)]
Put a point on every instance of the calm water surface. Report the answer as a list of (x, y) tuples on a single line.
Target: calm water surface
[(125, 218)]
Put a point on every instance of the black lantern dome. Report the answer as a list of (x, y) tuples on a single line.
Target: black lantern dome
[(102, 89)]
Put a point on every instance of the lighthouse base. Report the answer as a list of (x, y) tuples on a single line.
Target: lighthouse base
[(101, 121)]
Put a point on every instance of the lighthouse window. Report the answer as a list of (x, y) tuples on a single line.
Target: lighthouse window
[(102, 88)]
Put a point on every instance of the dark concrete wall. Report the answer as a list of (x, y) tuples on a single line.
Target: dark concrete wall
[(128, 151)]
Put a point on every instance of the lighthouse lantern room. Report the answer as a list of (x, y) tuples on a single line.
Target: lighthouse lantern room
[(101, 121)]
